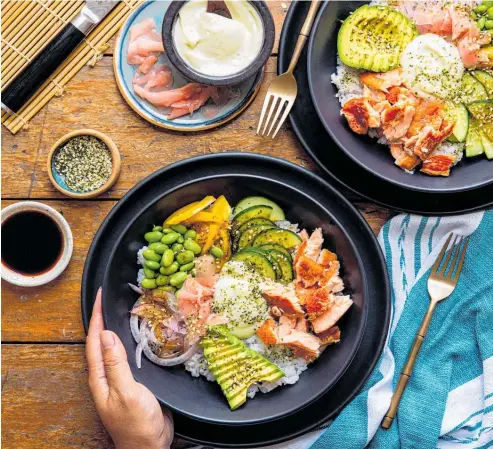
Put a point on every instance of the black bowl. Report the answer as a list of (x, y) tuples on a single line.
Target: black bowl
[(198, 398), (170, 17), (322, 63)]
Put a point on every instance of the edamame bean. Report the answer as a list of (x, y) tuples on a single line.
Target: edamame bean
[(488, 24), (149, 274), (474, 16), (180, 239), (149, 254), (173, 268), (488, 3), (158, 247), (157, 228), (187, 267), (168, 258), (177, 247), (217, 252), (167, 231), (179, 228), (170, 238), (178, 279), (193, 246), (148, 283), (167, 288), (480, 9), (162, 280), (152, 265), (490, 12), (154, 236), (184, 257), (481, 23), (190, 234)]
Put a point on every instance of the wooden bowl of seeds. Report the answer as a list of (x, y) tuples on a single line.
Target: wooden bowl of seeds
[(84, 164)]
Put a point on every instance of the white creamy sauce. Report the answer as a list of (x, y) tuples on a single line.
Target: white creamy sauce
[(432, 67), (214, 45)]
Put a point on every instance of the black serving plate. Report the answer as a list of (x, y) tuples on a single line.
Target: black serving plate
[(303, 204), (338, 167), (217, 167), (470, 173)]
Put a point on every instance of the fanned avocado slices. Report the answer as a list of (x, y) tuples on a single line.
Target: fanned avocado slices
[(374, 37), (234, 365)]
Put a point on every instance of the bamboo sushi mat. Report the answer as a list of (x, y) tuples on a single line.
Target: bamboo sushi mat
[(28, 25)]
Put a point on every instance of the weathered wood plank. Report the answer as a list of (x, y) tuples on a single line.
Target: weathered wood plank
[(51, 313), (46, 402)]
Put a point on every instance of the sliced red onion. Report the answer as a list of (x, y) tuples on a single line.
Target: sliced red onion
[(134, 327), (136, 289), (170, 361)]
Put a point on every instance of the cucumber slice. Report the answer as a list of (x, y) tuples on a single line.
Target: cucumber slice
[(245, 203), (283, 237), (460, 114), (277, 247), (247, 237), (474, 144), (487, 145), (250, 213), (258, 261), (486, 80), (482, 111), (236, 233), (273, 261), (472, 90), (284, 263)]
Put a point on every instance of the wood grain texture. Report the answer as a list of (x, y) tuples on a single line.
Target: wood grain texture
[(46, 402)]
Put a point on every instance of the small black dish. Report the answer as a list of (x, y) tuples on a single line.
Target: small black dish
[(337, 167), (330, 403), (170, 18), (469, 174)]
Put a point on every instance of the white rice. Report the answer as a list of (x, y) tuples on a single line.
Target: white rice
[(279, 355), (347, 81), (285, 224)]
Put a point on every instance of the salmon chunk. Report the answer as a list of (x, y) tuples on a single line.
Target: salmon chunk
[(308, 271), (302, 325), (396, 120), (318, 301), (286, 324), (330, 317), (329, 273), (326, 257), (330, 336), (438, 165), (360, 115), (304, 345), (382, 81), (282, 296), (404, 159), (268, 332)]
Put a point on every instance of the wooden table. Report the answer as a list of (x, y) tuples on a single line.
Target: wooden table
[(45, 398)]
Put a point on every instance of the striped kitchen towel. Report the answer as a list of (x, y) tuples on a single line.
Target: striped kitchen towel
[(448, 402)]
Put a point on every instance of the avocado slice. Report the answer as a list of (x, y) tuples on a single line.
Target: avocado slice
[(374, 37), (234, 365)]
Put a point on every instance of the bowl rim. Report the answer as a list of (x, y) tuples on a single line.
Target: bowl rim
[(228, 80), (115, 158), (23, 280), (328, 126), (343, 368)]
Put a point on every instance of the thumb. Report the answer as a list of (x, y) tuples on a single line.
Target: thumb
[(116, 367)]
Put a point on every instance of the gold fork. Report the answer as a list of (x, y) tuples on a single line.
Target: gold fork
[(283, 89), (441, 284)]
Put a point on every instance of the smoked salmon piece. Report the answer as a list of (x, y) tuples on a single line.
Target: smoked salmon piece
[(326, 257), (382, 81), (318, 301), (268, 332), (284, 297), (330, 336), (286, 324), (308, 271), (303, 344), (438, 165), (330, 317), (404, 159), (302, 325), (314, 244), (396, 120), (360, 115)]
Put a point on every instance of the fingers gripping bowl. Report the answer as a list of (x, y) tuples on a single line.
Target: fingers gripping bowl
[(173, 385)]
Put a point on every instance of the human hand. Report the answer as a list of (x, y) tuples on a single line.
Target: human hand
[(128, 410)]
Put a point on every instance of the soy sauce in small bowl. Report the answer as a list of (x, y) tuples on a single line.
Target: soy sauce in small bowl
[(25, 255), (37, 244)]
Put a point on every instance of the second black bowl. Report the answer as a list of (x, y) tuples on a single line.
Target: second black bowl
[(198, 398)]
